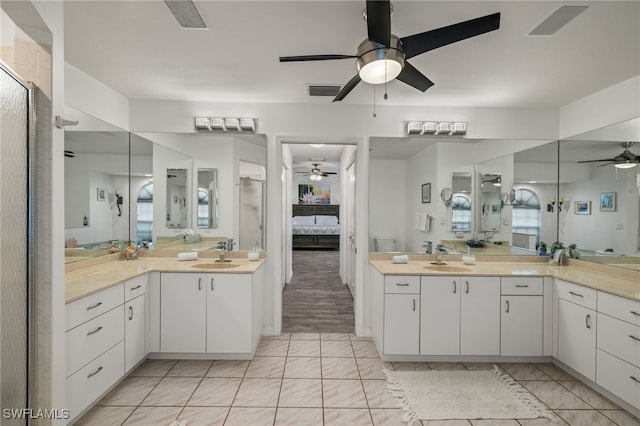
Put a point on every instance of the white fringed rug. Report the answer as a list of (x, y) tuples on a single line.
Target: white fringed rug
[(445, 395)]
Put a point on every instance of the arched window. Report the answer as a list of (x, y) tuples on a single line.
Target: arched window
[(526, 213), (144, 226), (460, 212)]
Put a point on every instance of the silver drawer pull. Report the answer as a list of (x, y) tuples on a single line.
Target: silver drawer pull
[(575, 294), (587, 321), (130, 313), (414, 305), (634, 379), (467, 287), (94, 306), (634, 338), (635, 313), (136, 287), (213, 283), (402, 284), (94, 331), (95, 372), (455, 287), (506, 306), (522, 285)]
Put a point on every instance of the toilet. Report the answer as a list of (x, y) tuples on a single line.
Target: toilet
[(384, 244)]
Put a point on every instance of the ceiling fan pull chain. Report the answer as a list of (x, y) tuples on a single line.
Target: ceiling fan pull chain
[(385, 81), (374, 100)]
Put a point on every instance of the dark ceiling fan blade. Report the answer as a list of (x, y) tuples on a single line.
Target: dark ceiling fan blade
[(314, 58), (327, 173), (597, 161), (606, 164), (414, 78), (379, 21), (347, 88), (420, 43)]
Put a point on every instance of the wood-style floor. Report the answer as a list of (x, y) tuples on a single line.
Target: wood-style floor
[(316, 300)]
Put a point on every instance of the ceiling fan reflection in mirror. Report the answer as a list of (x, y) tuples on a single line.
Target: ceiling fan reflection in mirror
[(625, 160), (317, 174), (383, 56)]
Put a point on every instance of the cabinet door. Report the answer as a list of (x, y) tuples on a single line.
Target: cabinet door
[(521, 326), (183, 312), (229, 313), (480, 316), (135, 342), (440, 316), (402, 324), (577, 338)]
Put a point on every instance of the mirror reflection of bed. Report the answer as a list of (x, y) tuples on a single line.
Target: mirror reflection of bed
[(316, 226)]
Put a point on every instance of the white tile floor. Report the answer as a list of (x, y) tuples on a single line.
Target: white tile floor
[(317, 379)]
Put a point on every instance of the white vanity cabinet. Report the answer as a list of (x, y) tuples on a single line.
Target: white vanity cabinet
[(210, 313), (401, 315), (440, 315), (229, 313), (521, 321), (183, 312), (618, 347), (460, 315), (94, 347), (577, 323), (480, 316), (135, 321)]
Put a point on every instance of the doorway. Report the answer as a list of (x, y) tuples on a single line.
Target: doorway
[(319, 231)]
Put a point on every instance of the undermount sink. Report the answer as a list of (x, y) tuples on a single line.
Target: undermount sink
[(446, 268), (215, 265)]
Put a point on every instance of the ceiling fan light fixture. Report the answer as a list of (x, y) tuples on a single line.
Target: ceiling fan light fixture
[(379, 64), (627, 164)]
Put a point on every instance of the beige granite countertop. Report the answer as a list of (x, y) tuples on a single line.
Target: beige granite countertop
[(625, 284), (92, 279)]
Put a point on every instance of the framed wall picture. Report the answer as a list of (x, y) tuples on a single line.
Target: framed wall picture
[(101, 195), (608, 202), (426, 192), (582, 207)]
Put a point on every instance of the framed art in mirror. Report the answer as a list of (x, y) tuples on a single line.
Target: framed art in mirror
[(426, 192)]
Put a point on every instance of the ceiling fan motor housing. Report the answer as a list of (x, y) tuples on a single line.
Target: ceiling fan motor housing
[(370, 52)]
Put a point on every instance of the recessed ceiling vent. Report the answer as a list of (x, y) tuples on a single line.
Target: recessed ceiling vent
[(557, 20), (323, 89), (186, 13)]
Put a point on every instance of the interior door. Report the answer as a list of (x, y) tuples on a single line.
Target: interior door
[(350, 224), (17, 237)]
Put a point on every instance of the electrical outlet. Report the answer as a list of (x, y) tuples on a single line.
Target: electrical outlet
[(505, 221)]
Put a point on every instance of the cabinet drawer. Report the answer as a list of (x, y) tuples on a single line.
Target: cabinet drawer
[(618, 377), (526, 286), (89, 340), (619, 338), (135, 287), (89, 383), (93, 305), (619, 307), (402, 284), (578, 294)]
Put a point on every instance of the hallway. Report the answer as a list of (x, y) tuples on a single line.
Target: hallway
[(316, 300)]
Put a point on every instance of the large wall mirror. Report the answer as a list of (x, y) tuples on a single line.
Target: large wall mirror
[(486, 172), (600, 192), (117, 186)]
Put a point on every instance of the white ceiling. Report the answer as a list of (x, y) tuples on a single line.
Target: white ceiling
[(138, 49)]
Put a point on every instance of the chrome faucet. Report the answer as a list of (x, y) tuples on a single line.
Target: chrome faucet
[(223, 247)]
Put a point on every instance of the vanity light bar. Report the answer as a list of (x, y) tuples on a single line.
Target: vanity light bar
[(436, 128), (225, 124)]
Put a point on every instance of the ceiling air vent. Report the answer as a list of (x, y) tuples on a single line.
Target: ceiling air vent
[(323, 89)]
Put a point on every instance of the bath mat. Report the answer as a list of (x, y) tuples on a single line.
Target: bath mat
[(448, 395)]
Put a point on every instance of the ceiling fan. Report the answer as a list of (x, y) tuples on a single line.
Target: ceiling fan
[(625, 160), (383, 56), (316, 173)]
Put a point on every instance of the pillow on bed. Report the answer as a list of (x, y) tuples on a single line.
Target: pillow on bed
[(326, 220), (303, 220)]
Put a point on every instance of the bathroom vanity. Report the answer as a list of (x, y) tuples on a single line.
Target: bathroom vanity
[(119, 313), (587, 321)]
